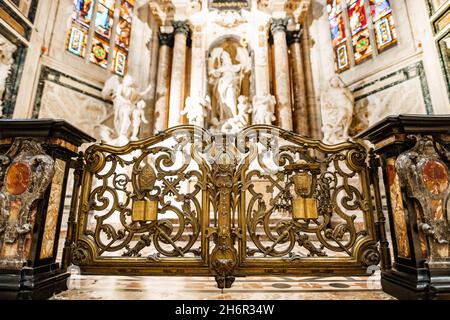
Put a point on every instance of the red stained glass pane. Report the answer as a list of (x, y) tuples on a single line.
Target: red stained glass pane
[(357, 17)]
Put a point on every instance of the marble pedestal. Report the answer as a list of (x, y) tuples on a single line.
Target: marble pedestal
[(35, 158), (414, 154)]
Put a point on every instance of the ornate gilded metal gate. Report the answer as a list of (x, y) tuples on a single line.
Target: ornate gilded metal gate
[(189, 202)]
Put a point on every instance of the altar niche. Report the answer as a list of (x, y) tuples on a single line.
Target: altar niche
[(230, 85)]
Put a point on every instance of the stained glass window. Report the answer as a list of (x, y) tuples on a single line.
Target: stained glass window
[(362, 48), (359, 30), (338, 34), (385, 31), (108, 31)]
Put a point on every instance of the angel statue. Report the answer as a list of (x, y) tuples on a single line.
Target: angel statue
[(337, 105), (227, 78), (196, 110), (124, 96), (263, 109)]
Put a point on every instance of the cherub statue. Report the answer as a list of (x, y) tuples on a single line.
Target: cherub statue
[(263, 109), (337, 104), (244, 110), (138, 118), (241, 120), (196, 110)]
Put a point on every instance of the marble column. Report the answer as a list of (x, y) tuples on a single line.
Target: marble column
[(282, 83), (198, 64), (163, 81), (300, 113), (178, 77), (313, 114), (150, 128), (261, 77)]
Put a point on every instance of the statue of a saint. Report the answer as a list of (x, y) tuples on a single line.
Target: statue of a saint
[(337, 105), (226, 79)]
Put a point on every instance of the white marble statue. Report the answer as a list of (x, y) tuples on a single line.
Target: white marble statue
[(138, 118), (337, 105), (227, 78), (7, 50), (105, 133), (263, 109), (241, 120), (125, 96), (197, 109)]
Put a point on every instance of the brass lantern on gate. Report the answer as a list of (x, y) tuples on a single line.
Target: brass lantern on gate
[(304, 205)]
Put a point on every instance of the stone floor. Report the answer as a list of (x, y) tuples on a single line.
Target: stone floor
[(203, 288)]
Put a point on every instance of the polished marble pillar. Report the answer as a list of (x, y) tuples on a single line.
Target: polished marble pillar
[(261, 71), (163, 81), (178, 77), (149, 129), (198, 64), (313, 115), (300, 113), (282, 82)]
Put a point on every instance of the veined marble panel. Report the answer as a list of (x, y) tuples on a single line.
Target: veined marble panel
[(398, 211), (51, 220)]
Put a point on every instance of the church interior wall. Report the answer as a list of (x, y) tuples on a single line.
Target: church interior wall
[(406, 78), (52, 71), (16, 25), (412, 68)]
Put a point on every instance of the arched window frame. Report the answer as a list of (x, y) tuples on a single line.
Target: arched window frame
[(88, 40)]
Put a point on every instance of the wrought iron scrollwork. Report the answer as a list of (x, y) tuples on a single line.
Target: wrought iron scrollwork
[(259, 196)]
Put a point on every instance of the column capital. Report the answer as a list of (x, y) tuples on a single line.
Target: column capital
[(181, 27), (294, 37), (279, 24), (165, 39)]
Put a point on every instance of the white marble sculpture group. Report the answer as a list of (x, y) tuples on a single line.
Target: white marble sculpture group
[(231, 111), (129, 108)]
